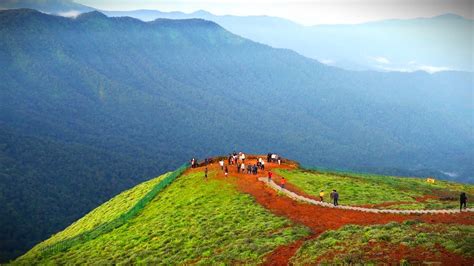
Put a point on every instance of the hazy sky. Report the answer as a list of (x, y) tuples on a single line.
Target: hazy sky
[(303, 11)]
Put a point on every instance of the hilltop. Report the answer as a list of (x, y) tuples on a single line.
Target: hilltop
[(94, 105), (238, 219)]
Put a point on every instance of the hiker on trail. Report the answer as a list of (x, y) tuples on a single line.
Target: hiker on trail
[(242, 167), (279, 160), (242, 157), (262, 165), (229, 160), (238, 168), (270, 174), (255, 169), (269, 155), (226, 171), (221, 163), (463, 200), (335, 197), (193, 162), (205, 173), (283, 182), (321, 195), (249, 169)]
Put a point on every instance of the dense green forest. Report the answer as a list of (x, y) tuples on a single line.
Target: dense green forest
[(94, 105)]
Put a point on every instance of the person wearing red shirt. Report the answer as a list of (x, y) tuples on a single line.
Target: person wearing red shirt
[(283, 182)]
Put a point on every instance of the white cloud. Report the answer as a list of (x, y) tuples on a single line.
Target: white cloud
[(412, 67), (381, 60), (70, 14), (327, 61), (433, 69)]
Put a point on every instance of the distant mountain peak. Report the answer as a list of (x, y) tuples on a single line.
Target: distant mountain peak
[(201, 12), (92, 15)]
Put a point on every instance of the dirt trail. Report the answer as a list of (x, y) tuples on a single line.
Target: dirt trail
[(317, 218)]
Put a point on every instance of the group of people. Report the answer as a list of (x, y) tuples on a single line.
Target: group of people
[(334, 196), (274, 158)]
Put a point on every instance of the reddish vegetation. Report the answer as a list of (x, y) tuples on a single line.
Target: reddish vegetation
[(317, 218)]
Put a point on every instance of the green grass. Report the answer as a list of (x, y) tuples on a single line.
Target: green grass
[(363, 189), (355, 244), (192, 221), (105, 212)]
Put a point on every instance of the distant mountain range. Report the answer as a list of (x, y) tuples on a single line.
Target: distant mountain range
[(428, 44)]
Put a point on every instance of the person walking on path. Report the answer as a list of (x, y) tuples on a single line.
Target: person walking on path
[(262, 165), (242, 167), (205, 173), (321, 195), (249, 169), (238, 168), (282, 182), (335, 197), (463, 201), (226, 171), (270, 176), (221, 163)]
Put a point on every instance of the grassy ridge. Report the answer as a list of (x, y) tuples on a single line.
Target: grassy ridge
[(108, 225), (192, 221), (362, 189), (105, 212), (355, 244)]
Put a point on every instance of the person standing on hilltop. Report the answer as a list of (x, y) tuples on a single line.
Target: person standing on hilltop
[(463, 201), (335, 197), (226, 171), (321, 195), (221, 163), (238, 167), (242, 167), (205, 173), (270, 174), (262, 165), (269, 155)]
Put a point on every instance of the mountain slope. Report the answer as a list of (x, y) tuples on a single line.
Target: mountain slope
[(236, 219), (94, 105)]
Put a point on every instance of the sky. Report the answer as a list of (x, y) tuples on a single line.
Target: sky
[(305, 12)]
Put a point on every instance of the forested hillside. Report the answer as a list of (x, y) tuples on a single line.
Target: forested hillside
[(93, 105)]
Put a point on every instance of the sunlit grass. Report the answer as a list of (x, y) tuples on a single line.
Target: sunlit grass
[(360, 189), (192, 221)]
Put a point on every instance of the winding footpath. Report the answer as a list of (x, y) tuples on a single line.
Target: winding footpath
[(297, 197)]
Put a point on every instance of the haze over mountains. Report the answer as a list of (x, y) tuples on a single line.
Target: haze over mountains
[(93, 105), (434, 44)]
